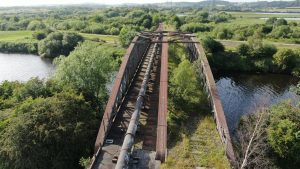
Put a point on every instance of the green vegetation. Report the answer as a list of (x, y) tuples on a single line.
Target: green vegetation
[(252, 57), (88, 73), (12, 36), (100, 38), (53, 124), (275, 136), (188, 120), (284, 133), (57, 43), (20, 32)]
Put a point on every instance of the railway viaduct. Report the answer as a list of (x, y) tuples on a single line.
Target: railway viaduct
[(133, 131)]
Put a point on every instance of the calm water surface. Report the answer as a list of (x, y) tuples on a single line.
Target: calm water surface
[(23, 67), (243, 93)]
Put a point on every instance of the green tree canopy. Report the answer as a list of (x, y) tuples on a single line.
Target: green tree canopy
[(284, 131), (51, 132), (126, 35), (58, 43), (88, 68)]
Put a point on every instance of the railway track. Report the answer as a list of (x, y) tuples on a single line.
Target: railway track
[(143, 154)]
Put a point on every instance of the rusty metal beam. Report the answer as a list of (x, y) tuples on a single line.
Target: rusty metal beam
[(215, 99), (131, 60), (161, 140), (169, 41)]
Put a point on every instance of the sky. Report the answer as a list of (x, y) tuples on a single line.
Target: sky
[(5, 3)]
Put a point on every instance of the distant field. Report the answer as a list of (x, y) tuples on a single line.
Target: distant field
[(11, 36), (264, 15), (232, 44), (97, 37)]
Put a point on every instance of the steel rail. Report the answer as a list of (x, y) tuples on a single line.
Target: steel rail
[(128, 142)]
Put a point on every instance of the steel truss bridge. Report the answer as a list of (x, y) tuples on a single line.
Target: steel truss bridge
[(133, 131)]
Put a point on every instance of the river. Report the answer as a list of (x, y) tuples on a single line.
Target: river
[(245, 93), (23, 67)]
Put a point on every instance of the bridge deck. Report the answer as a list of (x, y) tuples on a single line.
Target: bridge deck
[(145, 140)]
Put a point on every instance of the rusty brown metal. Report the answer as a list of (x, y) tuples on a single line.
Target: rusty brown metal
[(215, 102), (161, 141), (119, 89), (161, 135)]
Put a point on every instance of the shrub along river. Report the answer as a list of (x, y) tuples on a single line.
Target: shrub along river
[(240, 93), (245, 93), (22, 67)]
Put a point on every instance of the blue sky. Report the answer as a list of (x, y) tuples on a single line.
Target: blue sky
[(52, 2)]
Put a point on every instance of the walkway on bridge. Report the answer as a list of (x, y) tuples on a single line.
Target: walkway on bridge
[(133, 131)]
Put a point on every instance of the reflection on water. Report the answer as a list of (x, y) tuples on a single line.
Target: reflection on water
[(244, 93), (23, 67)]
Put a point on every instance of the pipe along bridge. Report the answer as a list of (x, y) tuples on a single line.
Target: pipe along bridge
[(133, 131)]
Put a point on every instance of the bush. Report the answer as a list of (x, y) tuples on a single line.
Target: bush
[(212, 46), (281, 32), (19, 47), (194, 27), (126, 35), (284, 132), (285, 60), (36, 25), (33, 88), (53, 132), (39, 35), (221, 17), (58, 43), (88, 68)]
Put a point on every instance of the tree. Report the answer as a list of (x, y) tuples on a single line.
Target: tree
[(244, 49), (284, 132), (281, 22), (212, 46), (39, 35), (177, 22), (285, 59), (194, 27), (252, 137), (88, 68), (53, 132), (36, 25), (33, 88), (271, 21), (281, 32), (58, 43), (126, 35)]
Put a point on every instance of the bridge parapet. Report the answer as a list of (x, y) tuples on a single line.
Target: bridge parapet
[(131, 61), (197, 54)]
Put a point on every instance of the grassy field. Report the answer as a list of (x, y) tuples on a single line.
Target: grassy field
[(234, 43), (97, 37), (11, 36), (263, 15)]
